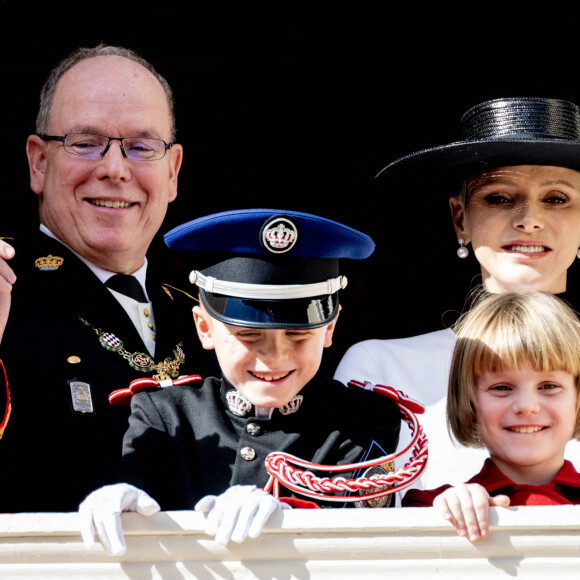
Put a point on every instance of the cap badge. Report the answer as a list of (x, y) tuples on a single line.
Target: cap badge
[(279, 235), (49, 262)]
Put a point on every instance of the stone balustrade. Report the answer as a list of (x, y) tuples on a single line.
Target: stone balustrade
[(333, 544)]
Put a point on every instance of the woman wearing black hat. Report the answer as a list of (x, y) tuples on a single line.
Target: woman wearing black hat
[(517, 174)]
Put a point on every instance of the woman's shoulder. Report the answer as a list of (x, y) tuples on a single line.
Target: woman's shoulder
[(402, 361), (439, 338), (391, 351)]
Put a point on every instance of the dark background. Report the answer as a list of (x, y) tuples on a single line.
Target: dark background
[(299, 109)]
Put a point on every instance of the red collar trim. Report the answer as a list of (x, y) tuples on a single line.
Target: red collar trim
[(490, 474)]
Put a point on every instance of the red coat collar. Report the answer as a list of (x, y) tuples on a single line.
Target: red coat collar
[(493, 479)]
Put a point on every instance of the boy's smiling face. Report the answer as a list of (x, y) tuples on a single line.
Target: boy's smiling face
[(267, 365)]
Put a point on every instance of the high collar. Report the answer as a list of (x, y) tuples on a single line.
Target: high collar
[(492, 478), (229, 391)]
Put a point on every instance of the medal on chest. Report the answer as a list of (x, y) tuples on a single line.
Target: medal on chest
[(81, 398)]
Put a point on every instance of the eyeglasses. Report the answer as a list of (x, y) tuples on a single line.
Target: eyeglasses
[(89, 145)]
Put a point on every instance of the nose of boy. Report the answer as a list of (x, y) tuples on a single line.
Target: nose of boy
[(274, 347)]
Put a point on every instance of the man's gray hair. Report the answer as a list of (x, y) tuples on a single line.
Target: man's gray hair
[(49, 87)]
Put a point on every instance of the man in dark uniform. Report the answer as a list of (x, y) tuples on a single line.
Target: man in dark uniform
[(269, 302), (104, 165)]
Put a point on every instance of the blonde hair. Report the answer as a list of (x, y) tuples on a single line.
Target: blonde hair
[(507, 331)]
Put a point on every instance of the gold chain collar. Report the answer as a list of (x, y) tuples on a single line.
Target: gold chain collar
[(140, 361)]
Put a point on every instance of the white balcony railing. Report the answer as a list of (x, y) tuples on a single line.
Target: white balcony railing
[(525, 542)]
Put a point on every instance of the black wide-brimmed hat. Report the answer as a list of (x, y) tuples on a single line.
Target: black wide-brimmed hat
[(497, 133)]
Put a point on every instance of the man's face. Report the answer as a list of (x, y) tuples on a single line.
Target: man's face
[(107, 209)]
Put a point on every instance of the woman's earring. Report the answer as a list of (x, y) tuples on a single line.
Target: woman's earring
[(463, 252), (578, 254)]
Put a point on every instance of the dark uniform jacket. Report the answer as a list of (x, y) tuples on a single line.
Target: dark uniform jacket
[(51, 455), (184, 443), (563, 489)]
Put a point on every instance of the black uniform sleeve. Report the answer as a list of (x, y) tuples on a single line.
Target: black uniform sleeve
[(142, 445)]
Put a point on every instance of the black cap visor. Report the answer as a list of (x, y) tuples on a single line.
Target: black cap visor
[(295, 313)]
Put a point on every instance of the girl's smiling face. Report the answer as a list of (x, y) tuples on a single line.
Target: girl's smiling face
[(523, 223), (525, 418)]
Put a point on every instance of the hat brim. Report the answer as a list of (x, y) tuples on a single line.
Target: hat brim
[(457, 161), (298, 313)]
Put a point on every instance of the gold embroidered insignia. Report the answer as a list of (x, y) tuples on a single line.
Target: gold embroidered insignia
[(49, 262)]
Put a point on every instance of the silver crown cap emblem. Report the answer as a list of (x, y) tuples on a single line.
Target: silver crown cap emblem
[(279, 235)]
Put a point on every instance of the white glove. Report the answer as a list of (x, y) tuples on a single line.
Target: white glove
[(239, 512), (102, 509)]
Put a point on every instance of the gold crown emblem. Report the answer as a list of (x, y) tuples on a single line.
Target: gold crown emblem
[(279, 235), (49, 262)]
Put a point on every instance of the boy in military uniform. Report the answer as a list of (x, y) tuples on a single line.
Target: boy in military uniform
[(268, 306)]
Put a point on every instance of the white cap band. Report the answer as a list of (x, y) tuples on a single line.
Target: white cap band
[(267, 291)]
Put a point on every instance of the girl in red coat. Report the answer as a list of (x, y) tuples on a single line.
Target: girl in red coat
[(513, 389)]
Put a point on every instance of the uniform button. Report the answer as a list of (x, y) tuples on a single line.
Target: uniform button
[(150, 325), (254, 429), (248, 453), (146, 312)]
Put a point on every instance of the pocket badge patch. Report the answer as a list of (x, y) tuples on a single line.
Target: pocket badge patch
[(81, 399)]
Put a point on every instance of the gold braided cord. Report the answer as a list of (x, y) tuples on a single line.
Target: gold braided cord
[(165, 287)]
